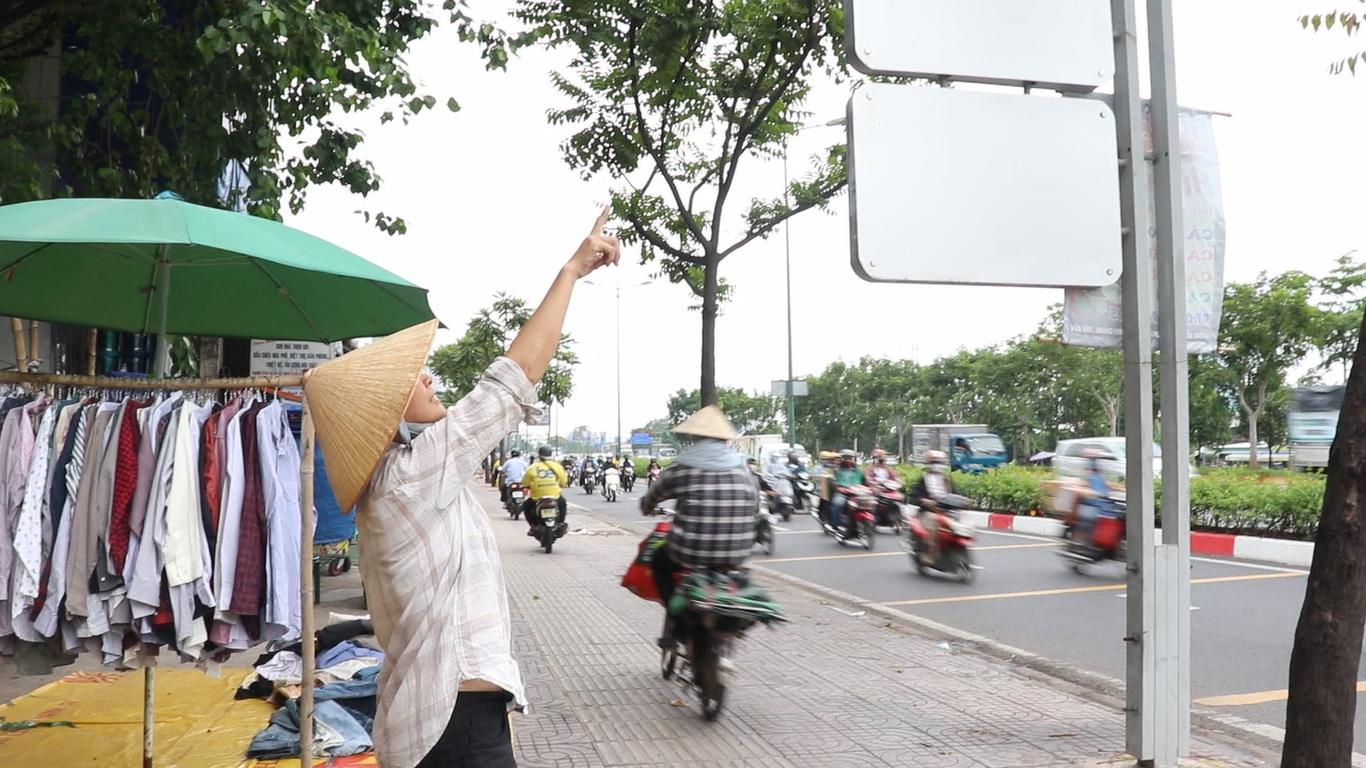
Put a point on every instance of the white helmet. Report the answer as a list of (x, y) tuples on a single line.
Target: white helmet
[(936, 460)]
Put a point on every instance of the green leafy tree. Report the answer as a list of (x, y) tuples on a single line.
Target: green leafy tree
[(1268, 327), (1343, 291), (673, 97), (1211, 408), (172, 90), (751, 414), (458, 366)]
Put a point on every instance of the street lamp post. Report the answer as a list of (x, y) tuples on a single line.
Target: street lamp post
[(787, 246), (618, 289)]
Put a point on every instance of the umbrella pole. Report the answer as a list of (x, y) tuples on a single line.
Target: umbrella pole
[(306, 585), (164, 295)]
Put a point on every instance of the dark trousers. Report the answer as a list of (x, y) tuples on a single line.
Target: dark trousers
[(529, 509), (477, 735)]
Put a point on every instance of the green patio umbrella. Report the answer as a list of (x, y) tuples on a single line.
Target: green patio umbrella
[(167, 266)]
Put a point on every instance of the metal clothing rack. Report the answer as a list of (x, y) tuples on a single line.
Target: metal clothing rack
[(306, 519)]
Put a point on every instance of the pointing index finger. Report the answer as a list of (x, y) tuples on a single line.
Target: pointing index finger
[(602, 219)]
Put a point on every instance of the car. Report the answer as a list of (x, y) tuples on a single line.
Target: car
[(1071, 459)]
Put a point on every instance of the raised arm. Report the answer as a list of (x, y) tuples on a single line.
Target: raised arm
[(536, 343)]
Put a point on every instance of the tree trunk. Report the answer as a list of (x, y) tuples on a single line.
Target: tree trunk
[(1323, 665), (1252, 462), (709, 311)]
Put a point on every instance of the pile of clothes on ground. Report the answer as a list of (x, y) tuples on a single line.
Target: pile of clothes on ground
[(345, 683)]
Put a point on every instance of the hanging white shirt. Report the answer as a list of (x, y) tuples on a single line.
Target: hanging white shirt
[(278, 456)]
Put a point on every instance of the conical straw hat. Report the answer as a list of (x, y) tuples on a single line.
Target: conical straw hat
[(357, 402), (708, 422)]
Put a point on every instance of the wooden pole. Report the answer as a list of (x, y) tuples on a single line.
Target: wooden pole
[(112, 382), (91, 352), (306, 586), (149, 682), (20, 356)]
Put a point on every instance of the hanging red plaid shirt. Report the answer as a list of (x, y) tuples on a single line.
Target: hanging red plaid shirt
[(125, 483)]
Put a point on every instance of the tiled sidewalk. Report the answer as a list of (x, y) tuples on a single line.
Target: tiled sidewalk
[(828, 690)]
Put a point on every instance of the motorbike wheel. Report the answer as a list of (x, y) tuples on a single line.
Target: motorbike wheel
[(516, 512), (668, 662), (787, 515), (866, 532), (962, 567), (548, 540), (707, 675), (913, 548)]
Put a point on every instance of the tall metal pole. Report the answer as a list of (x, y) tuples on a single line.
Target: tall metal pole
[(1172, 652), (787, 246), (1136, 290)]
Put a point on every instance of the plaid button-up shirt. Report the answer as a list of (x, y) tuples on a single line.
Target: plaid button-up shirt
[(714, 516), (433, 578)]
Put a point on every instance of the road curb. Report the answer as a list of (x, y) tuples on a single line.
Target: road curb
[(1103, 689), (1276, 551)]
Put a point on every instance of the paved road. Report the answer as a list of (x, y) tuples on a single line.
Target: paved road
[(1241, 631), (827, 690)]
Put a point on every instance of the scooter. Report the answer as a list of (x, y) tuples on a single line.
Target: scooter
[(1104, 542), (628, 477), (611, 484), (549, 528), (763, 527), (652, 477), (590, 480), (857, 525), (953, 555), (516, 495), (889, 499), (781, 498), (804, 490)]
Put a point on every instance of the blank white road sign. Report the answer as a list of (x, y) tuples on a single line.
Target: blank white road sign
[(973, 188), (1062, 44)]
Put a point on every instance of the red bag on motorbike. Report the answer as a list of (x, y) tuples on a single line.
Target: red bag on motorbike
[(639, 577), (1107, 532)]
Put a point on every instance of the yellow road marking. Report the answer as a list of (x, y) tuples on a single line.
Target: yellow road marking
[(892, 554), (1261, 697), (1079, 590)]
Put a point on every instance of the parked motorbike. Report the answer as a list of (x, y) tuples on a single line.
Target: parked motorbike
[(953, 555), (1102, 540), (781, 499), (611, 484), (548, 526), (516, 495), (763, 527), (889, 500), (857, 523)]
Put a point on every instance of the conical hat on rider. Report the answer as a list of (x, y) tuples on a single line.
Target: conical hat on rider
[(708, 422)]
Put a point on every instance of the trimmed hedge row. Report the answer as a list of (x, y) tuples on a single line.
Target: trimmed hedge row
[(1267, 503)]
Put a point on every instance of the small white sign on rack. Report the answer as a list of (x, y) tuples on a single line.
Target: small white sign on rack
[(272, 358)]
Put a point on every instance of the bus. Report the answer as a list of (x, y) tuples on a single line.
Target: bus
[(1312, 424)]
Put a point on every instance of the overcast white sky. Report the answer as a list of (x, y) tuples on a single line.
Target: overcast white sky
[(492, 207)]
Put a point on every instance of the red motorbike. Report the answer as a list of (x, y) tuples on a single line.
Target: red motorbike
[(860, 515), (889, 500), (953, 553)]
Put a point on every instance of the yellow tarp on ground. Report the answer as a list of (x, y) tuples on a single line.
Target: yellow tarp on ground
[(198, 723)]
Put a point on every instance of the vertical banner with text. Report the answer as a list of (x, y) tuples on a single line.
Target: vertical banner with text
[(1091, 317)]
